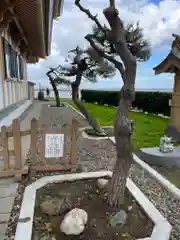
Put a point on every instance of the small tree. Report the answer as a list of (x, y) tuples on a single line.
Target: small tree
[(88, 64), (121, 46), (50, 74)]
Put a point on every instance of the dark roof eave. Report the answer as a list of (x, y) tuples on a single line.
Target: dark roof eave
[(31, 83), (58, 6), (166, 66), (57, 10), (162, 66)]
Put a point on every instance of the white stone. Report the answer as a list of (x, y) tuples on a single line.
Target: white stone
[(102, 183), (74, 222)]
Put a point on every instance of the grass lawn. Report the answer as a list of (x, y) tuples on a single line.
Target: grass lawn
[(147, 128)]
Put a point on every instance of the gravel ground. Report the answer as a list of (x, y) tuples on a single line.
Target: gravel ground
[(100, 154), (168, 205)]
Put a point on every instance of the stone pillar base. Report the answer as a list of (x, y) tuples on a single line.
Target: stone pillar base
[(174, 133)]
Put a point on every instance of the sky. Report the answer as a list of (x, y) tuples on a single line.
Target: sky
[(159, 19)]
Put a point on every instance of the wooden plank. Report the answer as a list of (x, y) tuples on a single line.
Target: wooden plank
[(2, 70), (52, 168), (57, 131), (42, 150), (9, 133), (17, 143), (5, 147), (66, 163), (25, 132), (73, 158), (34, 127), (10, 152), (13, 172)]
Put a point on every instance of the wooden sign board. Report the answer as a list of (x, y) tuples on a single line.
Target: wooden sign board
[(54, 145)]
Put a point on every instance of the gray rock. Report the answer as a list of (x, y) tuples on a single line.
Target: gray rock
[(54, 207), (102, 183), (119, 219)]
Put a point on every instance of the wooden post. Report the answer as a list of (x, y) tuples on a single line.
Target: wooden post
[(43, 160), (2, 70), (175, 108), (34, 128), (73, 159), (4, 133), (17, 143), (42, 143)]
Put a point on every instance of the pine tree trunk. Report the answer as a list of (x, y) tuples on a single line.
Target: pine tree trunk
[(123, 126), (123, 132), (124, 159), (83, 110), (56, 92)]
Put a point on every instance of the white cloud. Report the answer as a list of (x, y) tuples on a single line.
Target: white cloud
[(158, 21)]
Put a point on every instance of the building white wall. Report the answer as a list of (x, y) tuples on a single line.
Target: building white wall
[(11, 90)]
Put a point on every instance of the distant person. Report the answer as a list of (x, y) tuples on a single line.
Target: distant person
[(47, 93)]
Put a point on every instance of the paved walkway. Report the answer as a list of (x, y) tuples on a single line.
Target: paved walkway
[(35, 111), (7, 186)]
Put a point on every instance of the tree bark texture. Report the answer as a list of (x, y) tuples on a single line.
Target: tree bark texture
[(56, 92), (82, 109), (122, 126), (123, 132)]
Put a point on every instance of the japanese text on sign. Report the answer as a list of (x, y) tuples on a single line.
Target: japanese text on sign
[(54, 145)]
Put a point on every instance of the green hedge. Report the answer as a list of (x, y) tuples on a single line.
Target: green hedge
[(151, 102)]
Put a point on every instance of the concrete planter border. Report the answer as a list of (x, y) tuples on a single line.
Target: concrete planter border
[(85, 135), (161, 230), (54, 106)]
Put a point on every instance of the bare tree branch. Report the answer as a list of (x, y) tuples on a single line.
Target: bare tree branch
[(116, 24), (116, 63), (112, 3), (89, 14), (59, 79)]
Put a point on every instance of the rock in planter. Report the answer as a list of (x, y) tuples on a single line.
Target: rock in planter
[(74, 222), (102, 183), (54, 207), (119, 219)]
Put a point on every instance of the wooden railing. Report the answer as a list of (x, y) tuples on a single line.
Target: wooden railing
[(11, 161)]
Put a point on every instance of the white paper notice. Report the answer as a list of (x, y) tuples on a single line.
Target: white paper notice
[(54, 145)]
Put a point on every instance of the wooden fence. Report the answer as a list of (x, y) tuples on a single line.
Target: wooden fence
[(16, 166)]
